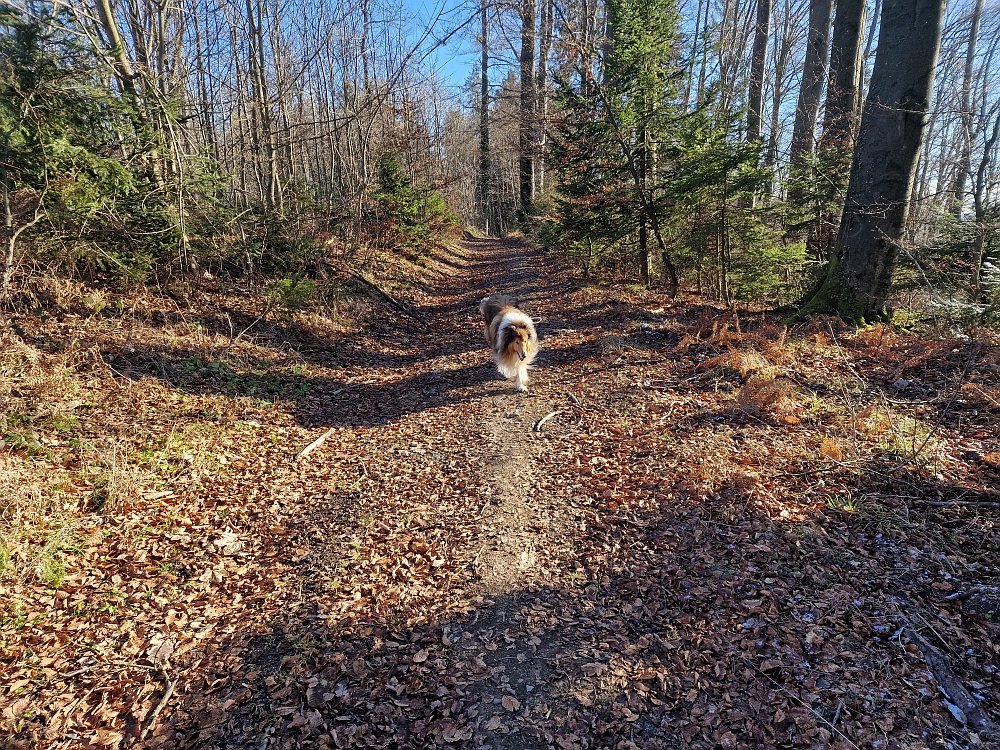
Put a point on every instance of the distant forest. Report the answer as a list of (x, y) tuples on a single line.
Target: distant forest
[(833, 157)]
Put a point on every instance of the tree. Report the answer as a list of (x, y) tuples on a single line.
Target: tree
[(612, 132), (547, 23), (640, 78), (807, 109), (859, 277), (820, 189), (529, 102), (843, 91), (965, 155), (485, 166), (758, 58)]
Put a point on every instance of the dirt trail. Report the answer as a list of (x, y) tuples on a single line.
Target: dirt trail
[(669, 562)]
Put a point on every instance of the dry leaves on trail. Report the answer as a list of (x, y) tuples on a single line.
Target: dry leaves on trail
[(715, 529)]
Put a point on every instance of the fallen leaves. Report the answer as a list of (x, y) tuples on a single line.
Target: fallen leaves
[(699, 576), (510, 703)]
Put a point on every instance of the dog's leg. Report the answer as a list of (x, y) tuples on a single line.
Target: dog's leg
[(521, 383)]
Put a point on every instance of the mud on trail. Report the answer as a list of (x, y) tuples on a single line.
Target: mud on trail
[(695, 530)]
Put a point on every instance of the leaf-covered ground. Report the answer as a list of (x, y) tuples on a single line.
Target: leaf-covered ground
[(698, 529)]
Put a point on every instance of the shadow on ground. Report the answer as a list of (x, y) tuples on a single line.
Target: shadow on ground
[(689, 625)]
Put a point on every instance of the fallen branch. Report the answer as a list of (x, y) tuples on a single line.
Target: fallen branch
[(151, 719), (388, 298), (958, 700), (313, 445), (543, 420), (946, 503)]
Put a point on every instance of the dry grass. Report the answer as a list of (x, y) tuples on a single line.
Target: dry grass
[(767, 396)]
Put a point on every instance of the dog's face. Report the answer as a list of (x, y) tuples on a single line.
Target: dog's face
[(517, 339)]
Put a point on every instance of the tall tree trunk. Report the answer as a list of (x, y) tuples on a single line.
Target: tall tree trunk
[(783, 51), (485, 167), (643, 139), (542, 91), (695, 41), (873, 29), (859, 278), (840, 120), (116, 50), (965, 131), (979, 196), (702, 71), (266, 148), (758, 58), (843, 99), (807, 109), (207, 113), (526, 129)]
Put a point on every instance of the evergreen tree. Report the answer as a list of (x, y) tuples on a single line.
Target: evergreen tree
[(62, 141), (608, 140)]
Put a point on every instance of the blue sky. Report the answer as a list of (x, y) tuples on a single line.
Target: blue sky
[(455, 60)]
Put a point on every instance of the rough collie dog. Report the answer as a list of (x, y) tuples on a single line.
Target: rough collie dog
[(511, 336)]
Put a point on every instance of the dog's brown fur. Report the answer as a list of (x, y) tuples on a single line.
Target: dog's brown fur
[(511, 336)]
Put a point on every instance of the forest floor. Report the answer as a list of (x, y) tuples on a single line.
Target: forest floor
[(697, 530)]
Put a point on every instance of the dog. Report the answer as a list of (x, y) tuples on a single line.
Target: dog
[(511, 337)]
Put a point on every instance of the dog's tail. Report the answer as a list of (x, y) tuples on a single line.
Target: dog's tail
[(490, 307)]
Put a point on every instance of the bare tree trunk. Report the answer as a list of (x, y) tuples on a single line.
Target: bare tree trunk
[(807, 110), (758, 58), (542, 91), (982, 183), (643, 138), (485, 166), (872, 29), (782, 54), (264, 130), (859, 278), (704, 54), (529, 98), (201, 81), (5, 186), (840, 121), (964, 165), (843, 90), (120, 61), (695, 41)]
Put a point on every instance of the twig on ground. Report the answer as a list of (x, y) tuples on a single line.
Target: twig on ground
[(822, 469), (836, 716), (313, 445), (543, 420), (959, 701), (946, 503), (944, 412), (234, 339), (781, 688), (151, 719)]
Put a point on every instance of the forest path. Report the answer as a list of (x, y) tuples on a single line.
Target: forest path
[(684, 555)]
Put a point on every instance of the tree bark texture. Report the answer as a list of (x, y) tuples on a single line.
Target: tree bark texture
[(758, 58), (807, 109), (965, 143), (859, 278), (526, 129), (844, 86)]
